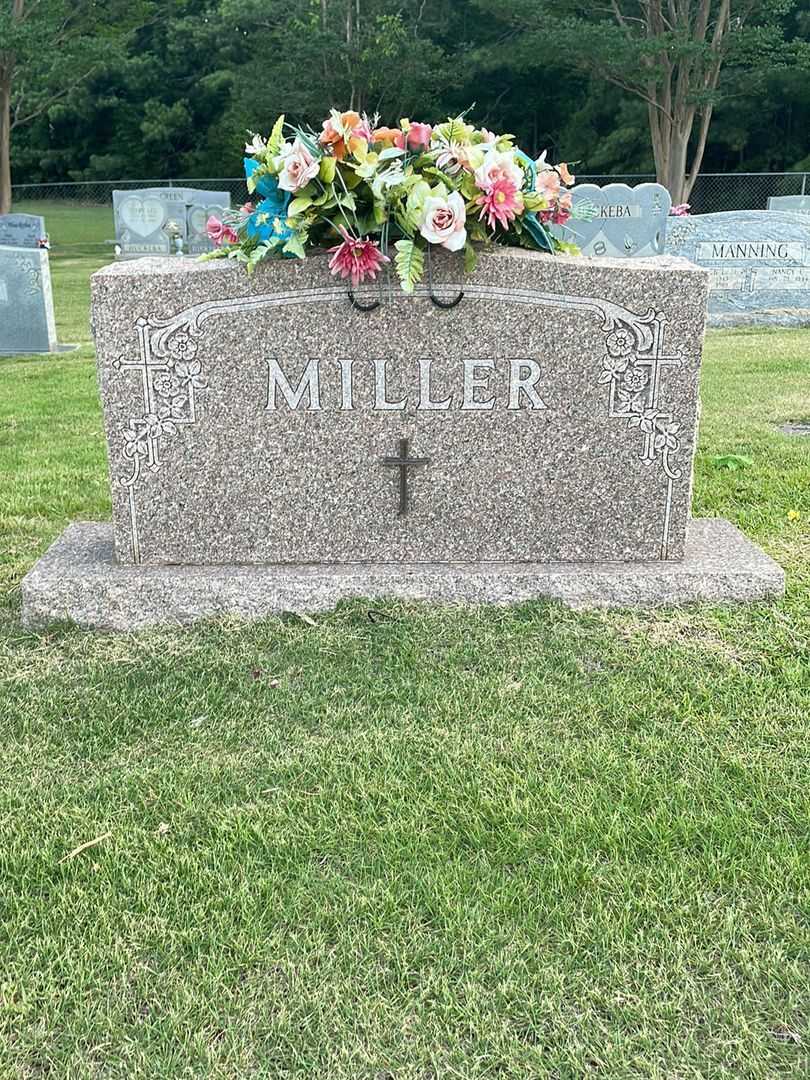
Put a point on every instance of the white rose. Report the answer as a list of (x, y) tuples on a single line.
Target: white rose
[(499, 165), (299, 166), (443, 221)]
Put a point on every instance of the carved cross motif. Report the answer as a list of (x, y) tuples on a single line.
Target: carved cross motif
[(403, 463)]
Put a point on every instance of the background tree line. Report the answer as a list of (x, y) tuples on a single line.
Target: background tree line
[(167, 88)]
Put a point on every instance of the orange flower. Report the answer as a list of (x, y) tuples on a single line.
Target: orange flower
[(565, 175), (343, 132), (389, 137)]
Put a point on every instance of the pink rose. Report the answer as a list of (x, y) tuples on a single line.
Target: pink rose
[(419, 136), (443, 221), (219, 233), (299, 166)]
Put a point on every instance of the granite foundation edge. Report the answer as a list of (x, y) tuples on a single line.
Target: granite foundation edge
[(77, 580)]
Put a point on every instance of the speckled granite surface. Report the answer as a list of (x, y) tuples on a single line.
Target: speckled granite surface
[(79, 579), (556, 404)]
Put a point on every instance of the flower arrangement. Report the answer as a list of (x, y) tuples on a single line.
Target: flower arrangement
[(369, 194)]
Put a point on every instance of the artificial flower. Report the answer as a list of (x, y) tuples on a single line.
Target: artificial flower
[(566, 177), (498, 165), (257, 144), (356, 258), (298, 166), (389, 137), (219, 233), (344, 133), (443, 221), (419, 136), (500, 203), (548, 183)]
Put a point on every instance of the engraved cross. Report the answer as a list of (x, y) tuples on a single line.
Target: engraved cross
[(403, 463)]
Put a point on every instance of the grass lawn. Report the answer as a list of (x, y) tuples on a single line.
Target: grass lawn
[(404, 842)]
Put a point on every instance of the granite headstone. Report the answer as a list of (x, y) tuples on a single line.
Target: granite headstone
[(22, 230), (148, 220), (556, 405), (758, 263), (618, 221), (274, 447), (200, 206), (27, 322)]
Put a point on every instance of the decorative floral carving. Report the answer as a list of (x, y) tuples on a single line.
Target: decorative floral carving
[(621, 342)]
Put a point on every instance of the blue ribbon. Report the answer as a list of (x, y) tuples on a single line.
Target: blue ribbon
[(531, 222), (269, 219)]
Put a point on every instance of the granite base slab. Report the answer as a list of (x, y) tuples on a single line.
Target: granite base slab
[(78, 579)]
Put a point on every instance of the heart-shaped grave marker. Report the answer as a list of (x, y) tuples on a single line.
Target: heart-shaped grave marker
[(142, 216), (617, 220)]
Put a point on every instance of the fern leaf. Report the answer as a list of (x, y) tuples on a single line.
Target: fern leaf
[(410, 264)]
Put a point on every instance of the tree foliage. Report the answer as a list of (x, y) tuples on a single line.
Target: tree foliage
[(150, 90)]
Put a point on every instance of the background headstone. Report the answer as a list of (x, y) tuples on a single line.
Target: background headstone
[(21, 230), (199, 207), (143, 217), (620, 222), (758, 263), (27, 322), (789, 202)]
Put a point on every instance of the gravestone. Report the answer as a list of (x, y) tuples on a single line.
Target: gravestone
[(200, 206), (618, 221), (22, 230), (272, 447), (789, 202), (144, 220), (147, 221), (27, 322), (758, 263)]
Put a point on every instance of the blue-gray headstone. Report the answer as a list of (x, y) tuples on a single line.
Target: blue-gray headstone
[(618, 221), (146, 220), (758, 261), (789, 202), (200, 206), (26, 304), (21, 230)]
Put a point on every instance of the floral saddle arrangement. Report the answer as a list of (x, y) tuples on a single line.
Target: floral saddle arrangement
[(370, 194)]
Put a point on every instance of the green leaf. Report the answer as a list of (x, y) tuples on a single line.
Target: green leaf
[(276, 139), (416, 198), (470, 258), (295, 247), (390, 152), (327, 169), (410, 264), (298, 205)]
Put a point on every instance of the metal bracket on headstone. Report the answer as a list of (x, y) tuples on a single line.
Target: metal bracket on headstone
[(446, 304), (362, 307)]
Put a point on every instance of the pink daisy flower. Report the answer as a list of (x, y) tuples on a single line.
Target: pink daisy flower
[(500, 203), (356, 258)]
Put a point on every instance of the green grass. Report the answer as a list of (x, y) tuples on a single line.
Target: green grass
[(74, 227), (408, 842)]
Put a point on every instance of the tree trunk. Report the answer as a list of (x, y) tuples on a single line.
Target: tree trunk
[(675, 182), (5, 145)]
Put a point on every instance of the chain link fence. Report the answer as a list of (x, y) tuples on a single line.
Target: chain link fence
[(80, 214)]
